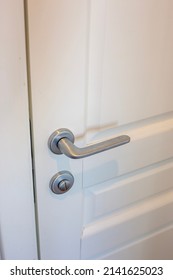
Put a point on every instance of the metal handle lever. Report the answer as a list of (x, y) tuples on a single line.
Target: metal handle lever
[(61, 142)]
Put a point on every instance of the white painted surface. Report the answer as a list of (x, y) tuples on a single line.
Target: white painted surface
[(17, 220), (130, 61), (104, 68), (127, 226), (138, 61), (58, 76), (127, 190), (160, 241)]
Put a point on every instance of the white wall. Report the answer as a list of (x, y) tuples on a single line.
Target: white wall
[(17, 220)]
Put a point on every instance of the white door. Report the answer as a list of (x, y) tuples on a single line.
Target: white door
[(103, 68)]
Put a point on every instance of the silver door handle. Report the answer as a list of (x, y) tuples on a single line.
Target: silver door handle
[(61, 142)]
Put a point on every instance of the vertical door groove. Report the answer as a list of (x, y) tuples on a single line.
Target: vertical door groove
[(30, 116)]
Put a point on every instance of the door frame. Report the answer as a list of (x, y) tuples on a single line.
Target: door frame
[(17, 211)]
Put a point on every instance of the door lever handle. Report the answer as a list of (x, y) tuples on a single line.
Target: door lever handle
[(61, 141)]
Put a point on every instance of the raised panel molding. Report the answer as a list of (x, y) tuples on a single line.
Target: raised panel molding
[(131, 224), (151, 143), (104, 199), (154, 247)]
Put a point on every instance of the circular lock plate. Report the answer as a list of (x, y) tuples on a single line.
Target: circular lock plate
[(61, 182)]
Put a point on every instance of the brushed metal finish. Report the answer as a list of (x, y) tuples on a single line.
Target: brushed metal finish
[(61, 142), (56, 136), (61, 182)]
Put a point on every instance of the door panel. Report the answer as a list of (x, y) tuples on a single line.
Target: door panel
[(135, 61), (156, 137), (102, 69), (127, 226), (112, 195), (141, 74), (143, 249)]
